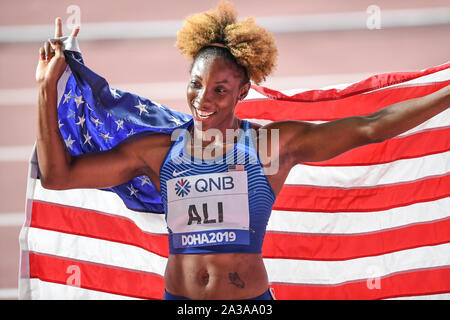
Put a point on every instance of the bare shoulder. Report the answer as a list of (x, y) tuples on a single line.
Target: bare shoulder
[(287, 126), (149, 147), (283, 133), (150, 140)]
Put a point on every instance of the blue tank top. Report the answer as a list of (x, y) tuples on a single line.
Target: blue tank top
[(221, 205)]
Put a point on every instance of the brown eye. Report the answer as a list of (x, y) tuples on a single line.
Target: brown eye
[(221, 90)]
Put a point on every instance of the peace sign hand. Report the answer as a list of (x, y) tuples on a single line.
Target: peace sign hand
[(52, 63)]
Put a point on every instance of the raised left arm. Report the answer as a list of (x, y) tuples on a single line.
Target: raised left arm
[(395, 119), (306, 142)]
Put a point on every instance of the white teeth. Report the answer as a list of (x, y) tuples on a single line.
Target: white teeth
[(203, 114)]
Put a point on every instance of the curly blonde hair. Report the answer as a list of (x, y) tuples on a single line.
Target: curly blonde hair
[(252, 46)]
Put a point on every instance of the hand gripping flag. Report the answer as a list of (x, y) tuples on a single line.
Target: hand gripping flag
[(95, 117), (372, 223)]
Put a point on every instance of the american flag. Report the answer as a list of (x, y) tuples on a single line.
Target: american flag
[(372, 223)]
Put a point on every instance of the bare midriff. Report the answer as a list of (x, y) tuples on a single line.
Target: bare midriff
[(216, 276)]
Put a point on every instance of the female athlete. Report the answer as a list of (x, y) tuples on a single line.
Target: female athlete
[(216, 213)]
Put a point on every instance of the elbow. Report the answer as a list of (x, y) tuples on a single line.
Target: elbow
[(53, 183), (373, 136), (371, 131)]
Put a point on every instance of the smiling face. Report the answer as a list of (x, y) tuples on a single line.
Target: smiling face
[(215, 87)]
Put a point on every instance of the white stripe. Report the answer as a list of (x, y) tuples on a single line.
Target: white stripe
[(43, 290), (103, 201), (337, 272), (93, 250), (12, 219), (406, 170), (279, 24), (358, 222)]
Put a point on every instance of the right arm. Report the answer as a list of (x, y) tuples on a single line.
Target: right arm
[(58, 169)]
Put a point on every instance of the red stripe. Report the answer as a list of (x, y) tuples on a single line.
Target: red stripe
[(411, 146), (374, 82), (150, 286), (344, 247), (277, 110), (415, 283), (276, 244), (317, 199), (97, 277), (96, 225)]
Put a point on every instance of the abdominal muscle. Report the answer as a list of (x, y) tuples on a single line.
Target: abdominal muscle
[(216, 276)]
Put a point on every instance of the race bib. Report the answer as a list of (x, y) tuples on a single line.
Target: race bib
[(208, 209)]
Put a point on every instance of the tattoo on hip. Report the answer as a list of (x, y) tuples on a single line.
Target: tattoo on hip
[(236, 280)]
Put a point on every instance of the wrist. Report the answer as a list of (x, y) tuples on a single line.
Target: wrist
[(47, 85)]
